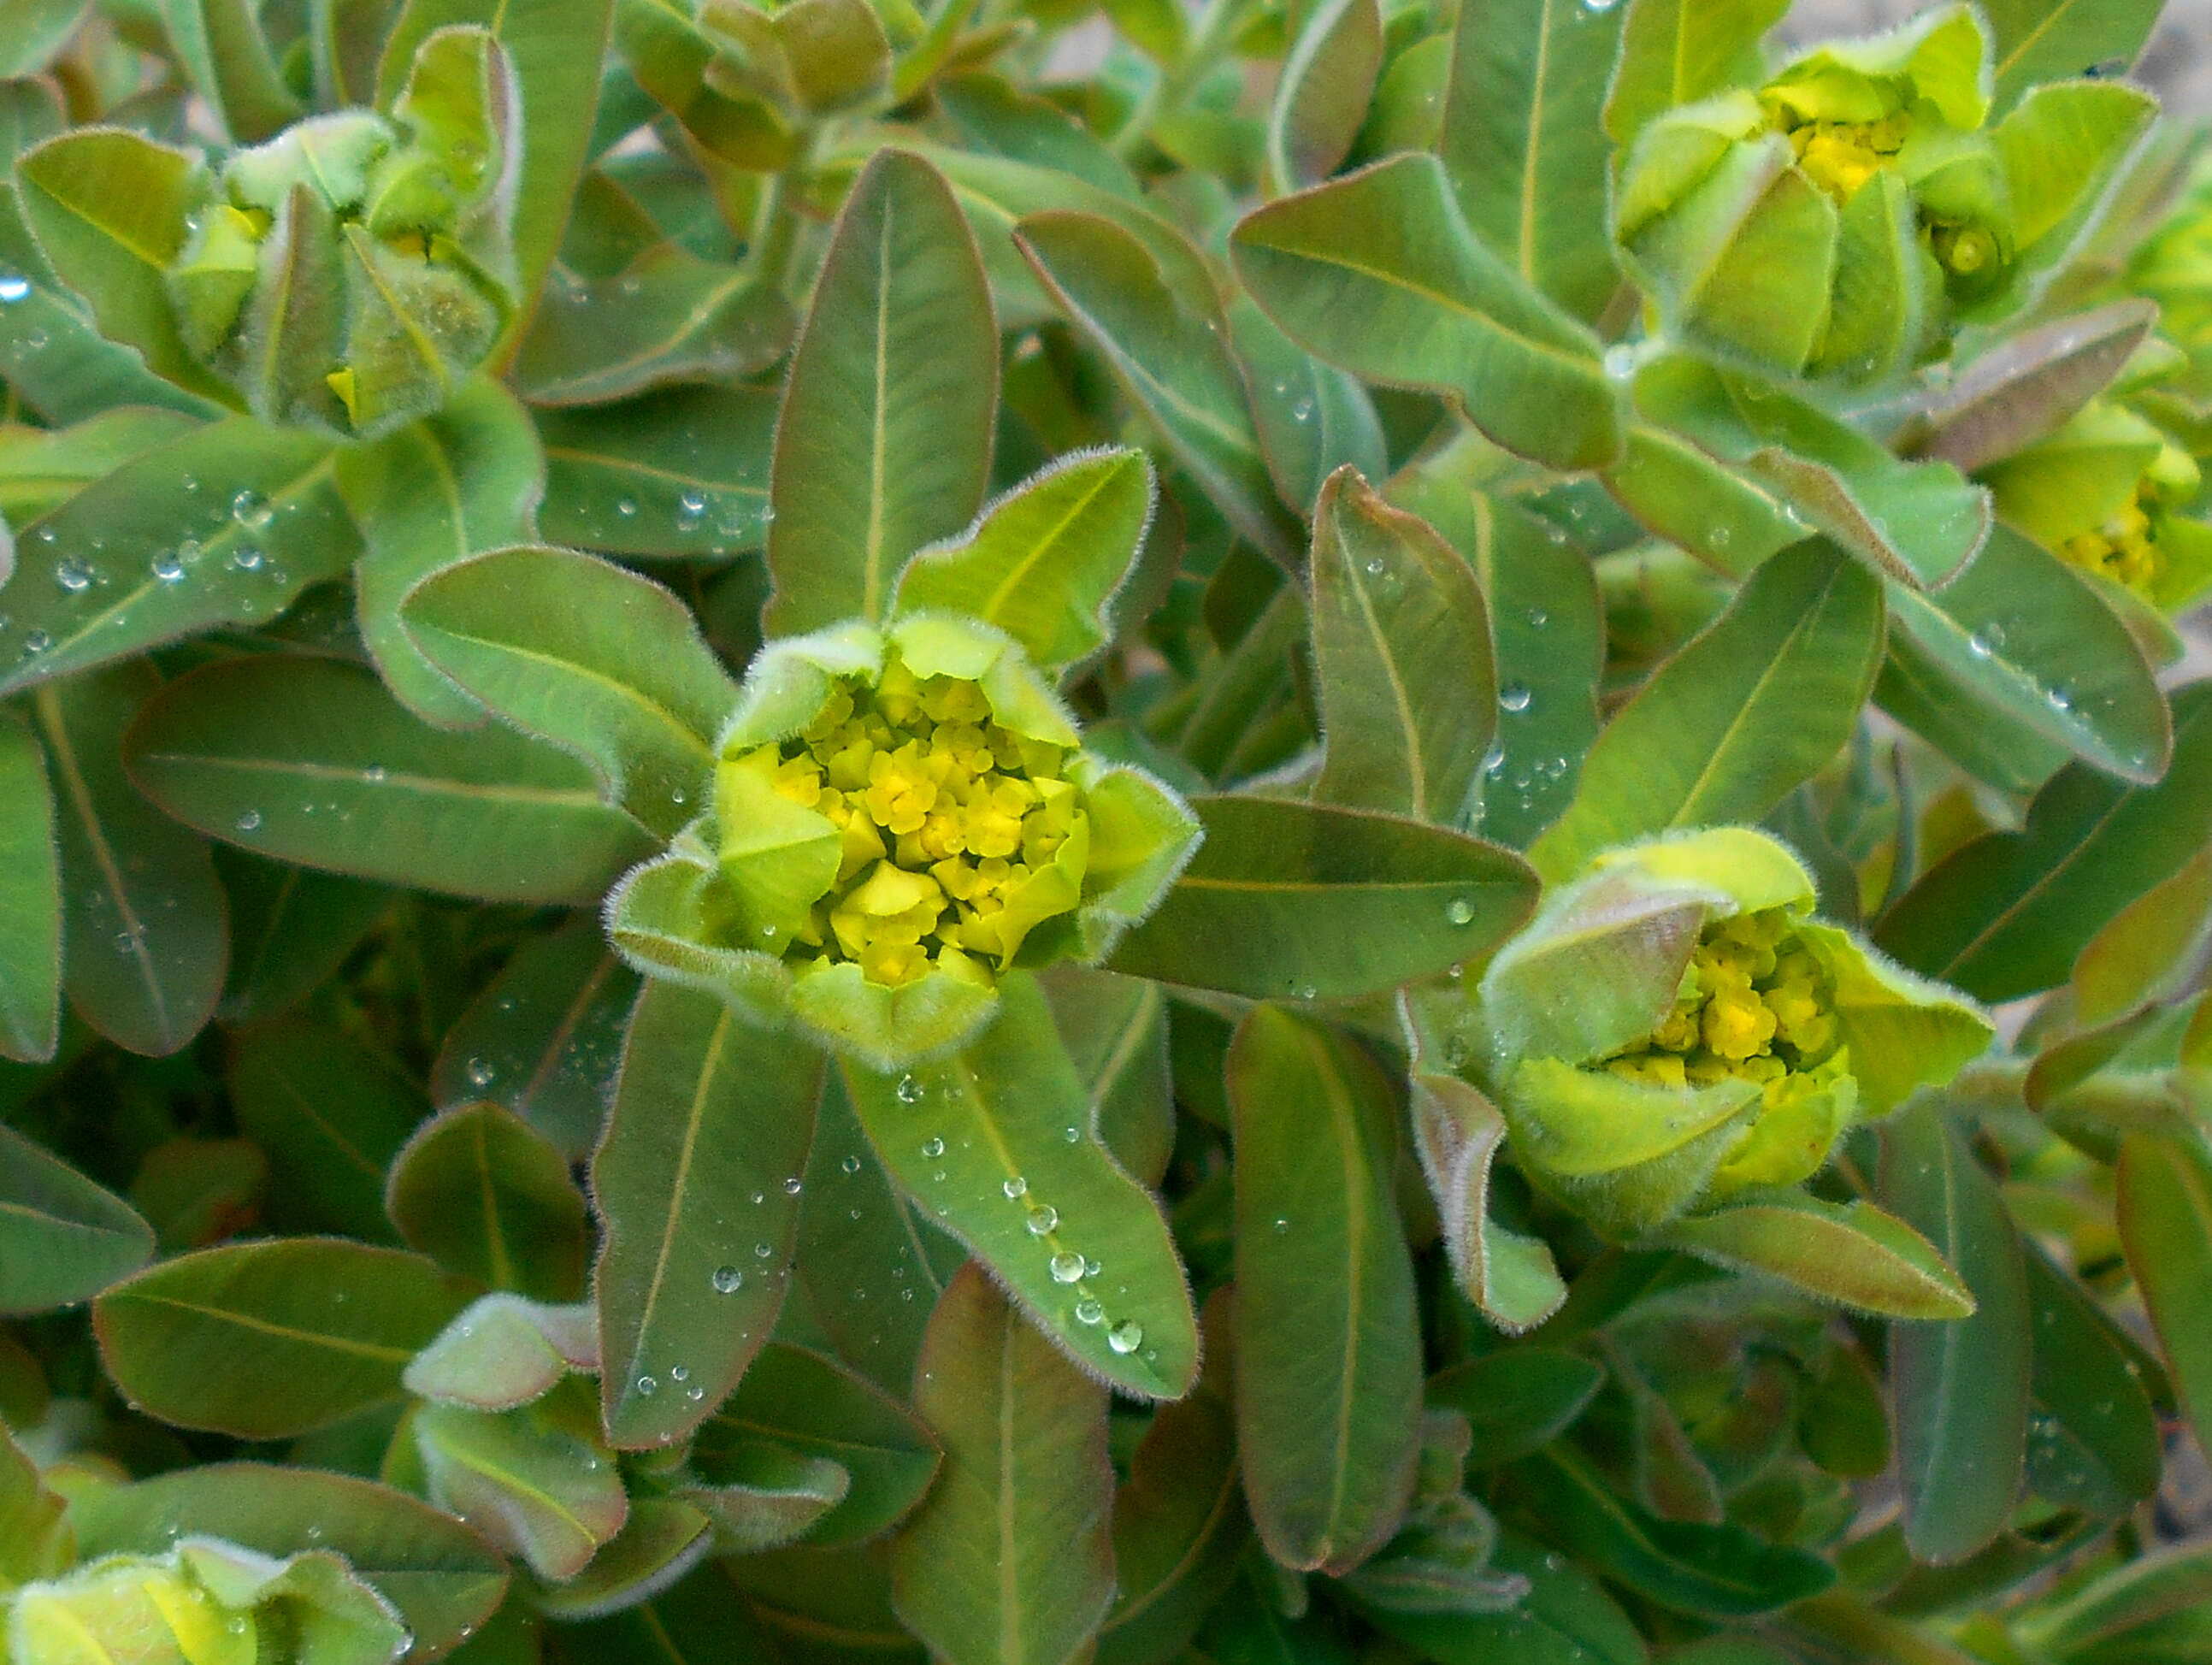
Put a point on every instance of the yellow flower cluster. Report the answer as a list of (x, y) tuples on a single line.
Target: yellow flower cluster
[(1841, 156), (1754, 1004), (2125, 548), (957, 835)]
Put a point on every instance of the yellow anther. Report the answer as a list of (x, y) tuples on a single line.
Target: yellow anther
[(800, 779), (1661, 1069), (1737, 1023)]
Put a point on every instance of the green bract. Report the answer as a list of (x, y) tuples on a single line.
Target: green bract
[(900, 814), (206, 1603), (1675, 1030), (349, 273), (1840, 218)]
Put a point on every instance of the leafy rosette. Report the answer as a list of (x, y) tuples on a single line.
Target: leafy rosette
[(901, 813), (1837, 219), (1675, 1031), (205, 1602), (350, 272)]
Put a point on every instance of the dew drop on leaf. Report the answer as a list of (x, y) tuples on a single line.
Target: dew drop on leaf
[(909, 1092), (1042, 1219), (932, 1148), (728, 1281), (1126, 1337), (1514, 696), (480, 1073), (1066, 1267), (1088, 1311), (1016, 1186)]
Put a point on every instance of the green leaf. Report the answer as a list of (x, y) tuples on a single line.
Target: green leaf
[(1918, 523), (981, 1141), (1516, 1400), (268, 1340), (35, 1539), (555, 49), (1043, 562), (661, 1542), (803, 1403), (2092, 1439), (1567, 1618), (143, 911), (681, 472), (702, 1619), (1721, 1571), (41, 468), (1523, 146), (1321, 98), (1115, 1031), (224, 525), (63, 1239), (1678, 493), (109, 210), (606, 665), (1852, 1254), (870, 1267), (1011, 1559), (531, 1485), (30, 899), (2006, 914), (2022, 652), (220, 46), (443, 1578), (1960, 1389), (1311, 418), (1179, 1526), (1549, 633), (2040, 40), (544, 1037), (883, 443), (1379, 273), (1401, 659), (694, 1182), (487, 1198), (1322, 902), (2177, 1579), (1167, 348), (668, 317), (330, 1114), (504, 1353), (34, 30), (462, 479), (291, 929), (1721, 732), (1328, 1349), (2165, 1223), (2024, 388), (1511, 1277), (1679, 51), (310, 761)]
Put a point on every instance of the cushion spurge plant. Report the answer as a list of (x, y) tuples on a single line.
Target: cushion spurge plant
[(1309, 830)]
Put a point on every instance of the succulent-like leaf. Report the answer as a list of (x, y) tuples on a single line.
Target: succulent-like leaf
[(488, 1198), (65, 1239)]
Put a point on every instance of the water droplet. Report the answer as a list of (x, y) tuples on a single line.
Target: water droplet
[(1538, 618), (792, 1186), (250, 822), (1302, 410), (1374, 568), (909, 1092), (251, 510), (480, 1071), (1066, 1267), (1282, 1225), (933, 1147), (646, 1387), (851, 1164), (73, 575), (1126, 1336), (728, 1281), (14, 286), (690, 508), (1071, 1135), (1042, 1219), (1980, 644), (1514, 696), (1459, 911), (695, 1394), (2060, 699), (247, 557), (761, 1251), (1308, 992), (679, 1373), (627, 507), (1620, 361), (1088, 1311), (375, 775), (1016, 1186), (125, 941), (167, 568)]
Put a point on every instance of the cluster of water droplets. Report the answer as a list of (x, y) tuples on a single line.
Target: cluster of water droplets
[(1067, 1267)]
